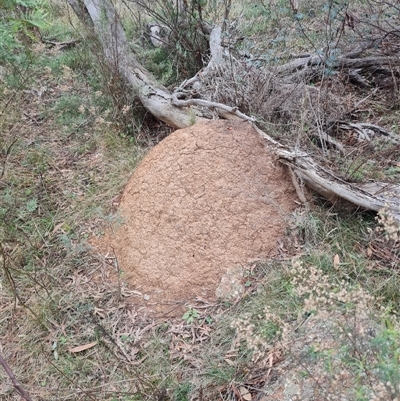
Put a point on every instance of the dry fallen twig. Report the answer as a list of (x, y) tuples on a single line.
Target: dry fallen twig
[(366, 130), (17, 385)]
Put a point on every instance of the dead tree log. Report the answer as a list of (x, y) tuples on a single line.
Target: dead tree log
[(372, 196), (181, 110)]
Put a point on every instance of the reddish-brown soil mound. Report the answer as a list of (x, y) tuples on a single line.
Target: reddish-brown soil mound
[(204, 200)]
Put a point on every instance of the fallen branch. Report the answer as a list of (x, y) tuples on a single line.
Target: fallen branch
[(67, 44), (366, 131), (206, 103), (372, 197), (339, 62), (105, 22), (304, 69)]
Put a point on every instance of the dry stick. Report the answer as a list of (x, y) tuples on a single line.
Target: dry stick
[(68, 43), (328, 184), (8, 275), (17, 386), (362, 127), (11, 282), (299, 190), (116, 265), (8, 152), (205, 103)]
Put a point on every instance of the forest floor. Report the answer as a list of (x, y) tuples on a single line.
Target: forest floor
[(319, 321)]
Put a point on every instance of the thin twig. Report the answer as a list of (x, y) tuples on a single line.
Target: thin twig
[(24, 394), (11, 282), (299, 190), (116, 264), (8, 151)]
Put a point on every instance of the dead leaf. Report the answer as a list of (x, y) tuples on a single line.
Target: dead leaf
[(245, 393), (57, 227), (81, 348), (336, 261)]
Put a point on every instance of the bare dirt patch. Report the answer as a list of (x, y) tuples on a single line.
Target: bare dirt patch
[(204, 200)]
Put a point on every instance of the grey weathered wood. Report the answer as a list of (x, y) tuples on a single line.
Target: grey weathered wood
[(154, 97), (371, 196)]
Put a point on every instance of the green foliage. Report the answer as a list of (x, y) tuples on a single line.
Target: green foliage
[(185, 45), (182, 392), (221, 374), (190, 315), (79, 59), (159, 63), (386, 348), (21, 21), (67, 109), (266, 17)]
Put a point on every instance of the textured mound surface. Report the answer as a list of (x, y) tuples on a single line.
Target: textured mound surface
[(204, 200)]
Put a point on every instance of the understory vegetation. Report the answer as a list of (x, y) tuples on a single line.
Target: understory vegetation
[(320, 319)]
